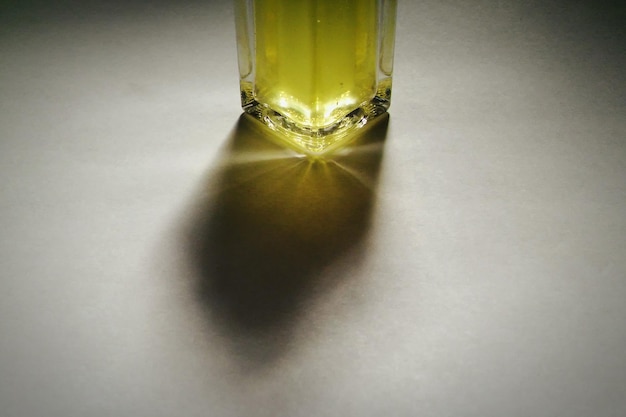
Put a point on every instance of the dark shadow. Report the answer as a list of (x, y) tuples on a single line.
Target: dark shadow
[(269, 223)]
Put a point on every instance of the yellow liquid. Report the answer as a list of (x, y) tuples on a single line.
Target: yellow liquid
[(315, 59)]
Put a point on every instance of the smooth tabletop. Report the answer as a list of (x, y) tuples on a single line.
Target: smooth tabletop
[(159, 256)]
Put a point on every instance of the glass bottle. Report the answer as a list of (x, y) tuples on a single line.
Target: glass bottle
[(315, 70)]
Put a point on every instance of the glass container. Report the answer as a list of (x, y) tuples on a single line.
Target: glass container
[(315, 70)]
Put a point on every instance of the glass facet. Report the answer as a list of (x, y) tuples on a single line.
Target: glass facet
[(314, 70)]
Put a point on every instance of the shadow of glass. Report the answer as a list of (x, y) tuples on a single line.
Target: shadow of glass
[(269, 225)]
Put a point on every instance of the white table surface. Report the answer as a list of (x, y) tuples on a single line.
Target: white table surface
[(160, 257)]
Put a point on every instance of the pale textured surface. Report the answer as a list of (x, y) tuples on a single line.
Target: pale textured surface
[(475, 264)]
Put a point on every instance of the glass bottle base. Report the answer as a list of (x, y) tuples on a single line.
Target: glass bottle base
[(317, 141)]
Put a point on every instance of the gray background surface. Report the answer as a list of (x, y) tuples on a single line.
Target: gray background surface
[(160, 257)]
